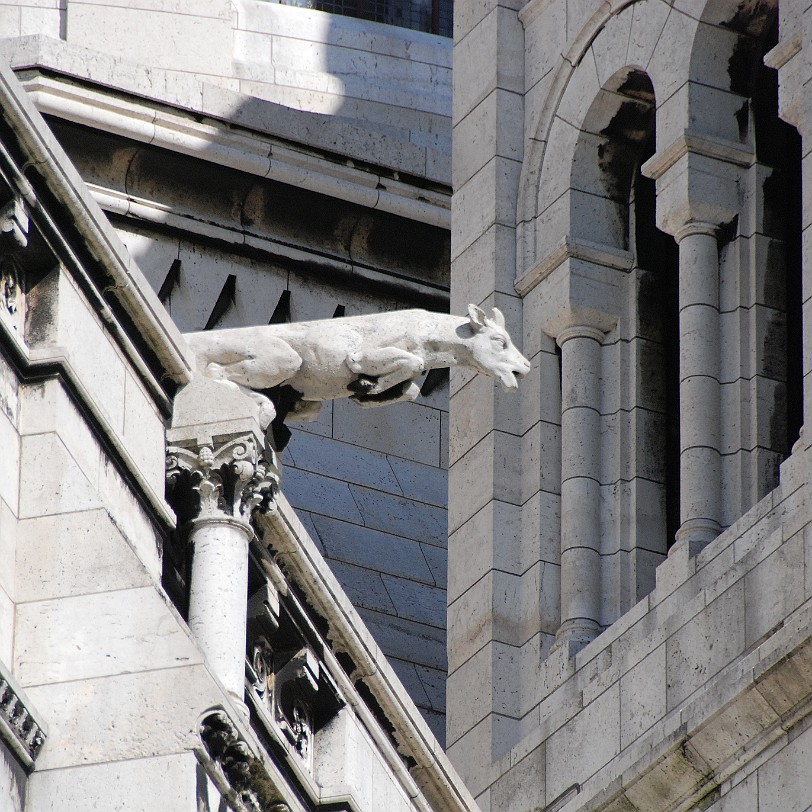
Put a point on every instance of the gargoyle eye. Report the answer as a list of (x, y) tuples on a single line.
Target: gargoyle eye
[(500, 342)]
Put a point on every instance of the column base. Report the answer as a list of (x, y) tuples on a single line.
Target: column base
[(573, 635), (696, 534)]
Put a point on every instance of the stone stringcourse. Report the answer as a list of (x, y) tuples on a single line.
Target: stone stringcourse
[(18, 727), (249, 785)]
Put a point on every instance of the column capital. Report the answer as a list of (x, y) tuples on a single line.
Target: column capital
[(694, 227), (226, 479), (579, 331)]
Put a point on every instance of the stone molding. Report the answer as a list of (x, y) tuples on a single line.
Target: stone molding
[(693, 227), (692, 142), (605, 255), (778, 56), (579, 331), (179, 132), (19, 726)]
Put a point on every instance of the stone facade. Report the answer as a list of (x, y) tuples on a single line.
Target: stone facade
[(629, 579), (172, 634), (332, 197)]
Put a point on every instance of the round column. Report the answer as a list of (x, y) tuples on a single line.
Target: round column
[(580, 485), (218, 596), (699, 389)]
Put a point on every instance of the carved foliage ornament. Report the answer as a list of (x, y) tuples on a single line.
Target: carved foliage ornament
[(244, 774), (27, 736), (234, 479)]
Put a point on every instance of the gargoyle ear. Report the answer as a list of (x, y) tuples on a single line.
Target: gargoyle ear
[(497, 318), (477, 317)]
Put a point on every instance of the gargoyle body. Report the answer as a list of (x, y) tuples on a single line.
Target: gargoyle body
[(373, 359)]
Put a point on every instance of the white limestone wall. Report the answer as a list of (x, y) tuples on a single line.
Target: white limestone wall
[(394, 81), (700, 692), (551, 108)]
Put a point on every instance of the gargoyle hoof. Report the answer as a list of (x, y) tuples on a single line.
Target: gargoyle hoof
[(362, 385)]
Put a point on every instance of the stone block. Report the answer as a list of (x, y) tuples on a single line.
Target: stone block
[(423, 483), (522, 787), (134, 785), (7, 619), (129, 515), (51, 481), (40, 22), (127, 716), (322, 455), (545, 41), (774, 589), (364, 587), (574, 752), (418, 602), (492, 53), (97, 559), (743, 797), (471, 755), (184, 42), (407, 430), (9, 463), (705, 645), (320, 495), (488, 198), (403, 517), (437, 559), (46, 407), (470, 690), (144, 434), (102, 634), (785, 782), (93, 356), (407, 640), (375, 550), (642, 696), (491, 128)]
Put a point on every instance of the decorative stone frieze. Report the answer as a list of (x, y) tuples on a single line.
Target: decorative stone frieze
[(250, 785), (18, 727), (286, 678)]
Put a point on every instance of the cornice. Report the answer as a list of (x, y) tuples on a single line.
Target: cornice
[(237, 147), (571, 248), (708, 146)]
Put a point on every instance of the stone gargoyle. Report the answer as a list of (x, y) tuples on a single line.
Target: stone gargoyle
[(289, 369)]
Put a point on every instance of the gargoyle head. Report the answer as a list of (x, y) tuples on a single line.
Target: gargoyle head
[(492, 350)]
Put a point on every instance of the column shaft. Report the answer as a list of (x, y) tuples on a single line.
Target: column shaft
[(218, 599), (700, 396), (580, 485)]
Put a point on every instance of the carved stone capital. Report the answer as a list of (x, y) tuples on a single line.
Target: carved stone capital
[(230, 478)]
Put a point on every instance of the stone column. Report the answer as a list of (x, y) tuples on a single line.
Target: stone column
[(219, 470), (580, 486), (699, 389)]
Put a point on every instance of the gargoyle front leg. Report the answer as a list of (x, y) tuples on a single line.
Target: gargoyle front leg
[(388, 365), (409, 391)]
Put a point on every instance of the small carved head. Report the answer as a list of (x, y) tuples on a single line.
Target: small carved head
[(493, 352)]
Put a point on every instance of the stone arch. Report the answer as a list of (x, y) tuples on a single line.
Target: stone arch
[(607, 152), (725, 59), (600, 59)]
